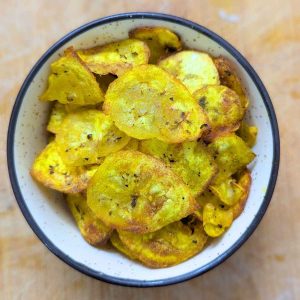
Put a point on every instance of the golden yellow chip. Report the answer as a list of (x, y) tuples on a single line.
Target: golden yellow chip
[(136, 192), (248, 134), (194, 69), (116, 57), (168, 246), (231, 155), (85, 136), (71, 81), (57, 115), (244, 181), (190, 160), (50, 170), (216, 220), (160, 41), (91, 228), (229, 78), (223, 108), (146, 102)]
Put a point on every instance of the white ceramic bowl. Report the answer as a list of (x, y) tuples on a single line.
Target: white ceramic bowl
[(45, 210)]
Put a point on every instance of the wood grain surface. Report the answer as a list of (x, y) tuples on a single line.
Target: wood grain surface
[(268, 265)]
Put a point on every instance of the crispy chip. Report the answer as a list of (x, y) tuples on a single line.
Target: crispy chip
[(248, 134), (232, 154), (190, 160), (223, 108), (146, 102), (229, 78), (71, 81), (91, 228), (49, 169), (136, 192), (160, 41), (57, 115), (85, 136), (168, 246), (119, 245), (194, 69), (116, 57)]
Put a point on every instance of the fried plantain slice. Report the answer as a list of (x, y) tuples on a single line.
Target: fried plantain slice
[(116, 57), (85, 136), (168, 246), (231, 155), (71, 81), (146, 102), (223, 108), (160, 41), (57, 115), (190, 160), (136, 192), (248, 134), (229, 78), (50, 170), (91, 228), (194, 69)]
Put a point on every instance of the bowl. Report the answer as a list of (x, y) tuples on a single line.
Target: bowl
[(45, 210)]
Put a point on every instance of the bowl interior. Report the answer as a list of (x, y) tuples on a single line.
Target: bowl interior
[(48, 212)]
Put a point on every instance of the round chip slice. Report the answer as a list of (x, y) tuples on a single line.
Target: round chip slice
[(91, 228), (223, 108), (85, 136), (146, 102), (168, 246), (190, 160), (194, 69), (50, 169), (136, 192)]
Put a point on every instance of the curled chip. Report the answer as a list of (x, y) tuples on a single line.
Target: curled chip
[(229, 192), (160, 40), (116, 57), (244, 181), (231, 155), (168, 246), (190, 160), (85, 136), (136, 192), (50, 169), (216, 220), (57, 115), (71, 81), (229, 77), (91, 228), (248, 134), (223, 108), (146, 102), (194, 69)]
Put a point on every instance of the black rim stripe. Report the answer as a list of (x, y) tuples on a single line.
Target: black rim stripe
[(12, 168)]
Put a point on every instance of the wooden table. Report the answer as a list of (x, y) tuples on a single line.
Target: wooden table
[(268, 265)]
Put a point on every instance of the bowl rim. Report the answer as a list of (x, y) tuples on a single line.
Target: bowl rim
[(13, 174)]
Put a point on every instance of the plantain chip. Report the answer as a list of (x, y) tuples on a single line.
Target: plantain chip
[(248, 134), (223, 108), (71, 81), (190, 160), (50, 170), (116, 57), (168, 246), (160, 41), (57, 115), (229, 78), (231, 155), (91, 228), (146, 102), (88, 135), (194, 69), (136, 192)]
